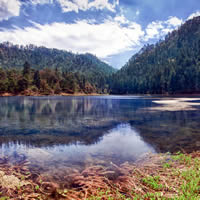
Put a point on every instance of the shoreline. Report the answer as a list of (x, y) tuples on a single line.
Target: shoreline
[(158, 176), (98, 94), (43, 95)]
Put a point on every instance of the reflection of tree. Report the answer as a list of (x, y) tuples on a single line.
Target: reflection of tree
[(47, 109), (65, 120), (49, 121), (53, 138), (170, 131)]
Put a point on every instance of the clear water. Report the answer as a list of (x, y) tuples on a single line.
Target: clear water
[(58, 132)]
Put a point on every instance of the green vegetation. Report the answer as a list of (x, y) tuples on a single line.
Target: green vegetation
[(153, 182), (170, 66), (14, 56), (28, 81), (39, 70)]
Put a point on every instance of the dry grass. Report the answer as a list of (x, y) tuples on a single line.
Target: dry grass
[(156, 177)]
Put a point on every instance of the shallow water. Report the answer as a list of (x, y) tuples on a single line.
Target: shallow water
[(54, 133)]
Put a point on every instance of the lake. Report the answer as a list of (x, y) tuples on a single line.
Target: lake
[(54, 133)]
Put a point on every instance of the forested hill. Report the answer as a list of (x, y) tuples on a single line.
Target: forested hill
[(59, 71), (14, 56), (170, 66)]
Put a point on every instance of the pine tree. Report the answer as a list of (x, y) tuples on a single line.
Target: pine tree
[(27, 69), (37, 79)]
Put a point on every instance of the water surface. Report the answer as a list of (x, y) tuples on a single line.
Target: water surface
[(58, 132)]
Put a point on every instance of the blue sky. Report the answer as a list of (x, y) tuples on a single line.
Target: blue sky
[(113, 30)]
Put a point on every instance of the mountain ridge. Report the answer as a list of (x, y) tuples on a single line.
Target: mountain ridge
[(41, 57), (170, 66), (32, 70)]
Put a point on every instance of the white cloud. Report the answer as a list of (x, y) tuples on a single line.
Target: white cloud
[(153, 30), (113, 36), (41, 2), (158, 29), (121, 19), (76, 5), (103, 40), (9, 8), (137, 13), (174, 21), (101, 4), (196, 14)]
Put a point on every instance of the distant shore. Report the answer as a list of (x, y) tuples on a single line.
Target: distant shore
[(6, 94), (39, 95)]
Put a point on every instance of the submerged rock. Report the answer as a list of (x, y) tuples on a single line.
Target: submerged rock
[(10, 181)]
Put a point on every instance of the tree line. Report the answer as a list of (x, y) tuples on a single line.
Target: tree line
[(47, 81)]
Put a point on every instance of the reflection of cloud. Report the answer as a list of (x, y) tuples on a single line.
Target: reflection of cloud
[(176, 104), (122, 141), (39, 154)]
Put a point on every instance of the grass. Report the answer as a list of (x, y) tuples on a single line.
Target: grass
[(108, 196), (153, 182)]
